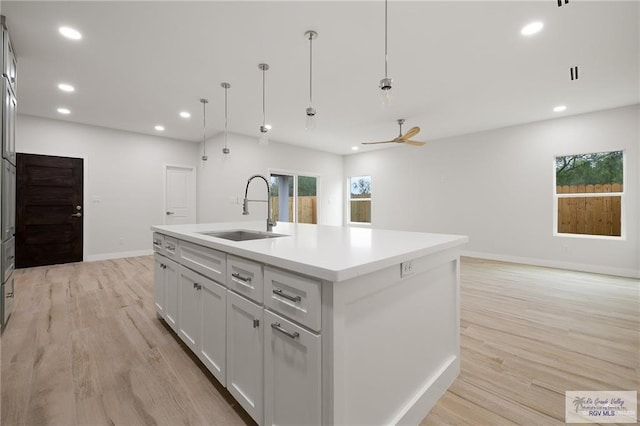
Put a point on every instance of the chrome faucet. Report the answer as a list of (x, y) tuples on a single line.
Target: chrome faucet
[(245, 203)]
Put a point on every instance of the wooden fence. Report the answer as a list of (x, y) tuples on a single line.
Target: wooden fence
[(307, 209), (590, 215), (361, 211)]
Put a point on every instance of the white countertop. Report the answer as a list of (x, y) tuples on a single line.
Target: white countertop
[(331, 253)]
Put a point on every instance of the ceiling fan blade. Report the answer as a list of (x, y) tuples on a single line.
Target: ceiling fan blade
[(414, 143), (410, 133), (375, 143)]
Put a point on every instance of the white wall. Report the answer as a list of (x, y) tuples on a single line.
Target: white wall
[(124, 175), (497, 188), (222, 178)]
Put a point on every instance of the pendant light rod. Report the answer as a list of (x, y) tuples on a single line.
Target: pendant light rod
[(311, 35), (204, 128), (386, 55), (264, 68), (386, 83), (225, 86), (264, 129)]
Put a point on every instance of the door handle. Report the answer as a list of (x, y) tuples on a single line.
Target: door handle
[(76, 214), (169, 213)]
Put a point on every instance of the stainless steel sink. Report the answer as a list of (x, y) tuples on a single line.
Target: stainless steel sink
[(242, 235)]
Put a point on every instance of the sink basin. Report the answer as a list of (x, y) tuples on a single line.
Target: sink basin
[(241, 235)]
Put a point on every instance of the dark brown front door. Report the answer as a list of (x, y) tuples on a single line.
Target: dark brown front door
[(49, 210)]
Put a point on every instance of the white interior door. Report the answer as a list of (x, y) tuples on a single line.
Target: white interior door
[(180, 198)]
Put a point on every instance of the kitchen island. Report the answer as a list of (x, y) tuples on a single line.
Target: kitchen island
[(322, 325)]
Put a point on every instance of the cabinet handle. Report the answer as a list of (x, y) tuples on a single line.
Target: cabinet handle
[(241, 278), (10, 295), (163, 266), (256, 323), (280, 293), (276, 326)]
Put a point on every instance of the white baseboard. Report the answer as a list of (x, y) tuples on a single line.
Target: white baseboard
[(119, 255), (426, 398), (582, 267)]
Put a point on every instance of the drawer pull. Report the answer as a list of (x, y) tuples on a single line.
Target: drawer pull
[(170, 247), (241, 278), (280, 293), (276, 326)]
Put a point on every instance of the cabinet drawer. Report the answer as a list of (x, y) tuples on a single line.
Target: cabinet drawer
[(158, 243), (209, 262), (170, 247), (245, 277), (293, 296)]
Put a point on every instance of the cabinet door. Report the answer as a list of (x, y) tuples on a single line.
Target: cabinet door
[(172, 295), (8, 124), (159, 284), (8, 203), (244, 354), (291, 373), (190, 307), (213, 342)]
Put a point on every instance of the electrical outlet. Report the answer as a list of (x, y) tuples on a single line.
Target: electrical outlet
[(406, 269)]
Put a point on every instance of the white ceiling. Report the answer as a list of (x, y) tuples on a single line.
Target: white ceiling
[(458, 67)]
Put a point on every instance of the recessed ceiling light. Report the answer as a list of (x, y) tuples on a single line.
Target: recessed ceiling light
[(559, 108), (71, 33), (185, 114), (64, 111), (159, 128), (532, 28), (354, 148), (66, 87)]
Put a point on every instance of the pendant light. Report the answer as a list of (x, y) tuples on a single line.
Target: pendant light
[(385, 83), (225, 86), (311, 111), (204, 129), (264, 129)]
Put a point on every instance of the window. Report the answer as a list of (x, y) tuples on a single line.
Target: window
[(291, 193), (589, 194), (360, 199)]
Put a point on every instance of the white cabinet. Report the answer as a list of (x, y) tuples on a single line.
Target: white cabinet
[(212, 350), (159, 284), (8, 206), (209, 262), (294, 296), (203, 320), (291, 372), (245, 354), (166, 289), (245, 278), (9, 123), (190, 324)]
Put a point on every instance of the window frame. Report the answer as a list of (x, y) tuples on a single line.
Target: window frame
[(557, 196), (349, 200), (295, 175)]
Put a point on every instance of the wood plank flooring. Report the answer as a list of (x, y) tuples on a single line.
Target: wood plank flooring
[(84, 347)]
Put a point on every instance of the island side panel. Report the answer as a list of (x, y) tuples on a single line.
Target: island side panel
[(396, 345)]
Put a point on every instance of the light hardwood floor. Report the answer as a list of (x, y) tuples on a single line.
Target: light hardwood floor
[(84, 347)]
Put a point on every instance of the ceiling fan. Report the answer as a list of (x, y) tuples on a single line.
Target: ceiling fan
[(402, 138)]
